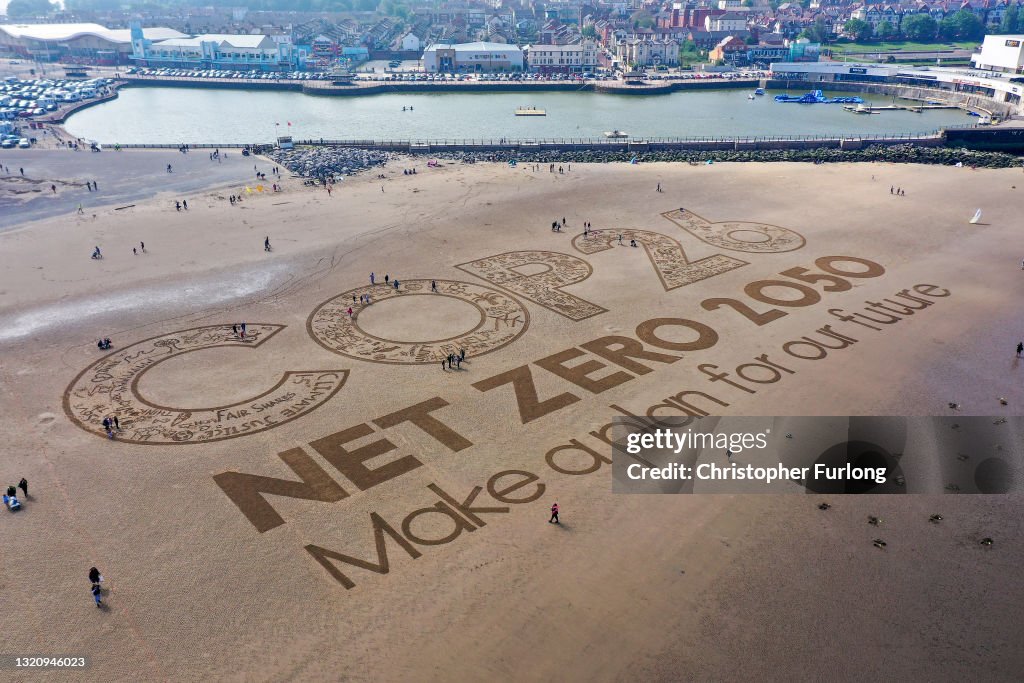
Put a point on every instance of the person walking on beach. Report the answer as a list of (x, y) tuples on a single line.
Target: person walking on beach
[(142, 246), (372, 278), (177, 206), (387, 279), (168, 168), (890, 189), (1020, 348), (53, 188), (234, 330), (554, 514), (97, 596), (433, 286), (658, 189), (184, 203), (117, 424), (23, 485), (94, 576), (266, 243), (243, 330)]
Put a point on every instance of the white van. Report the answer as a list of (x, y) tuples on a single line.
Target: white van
[(70, 97)]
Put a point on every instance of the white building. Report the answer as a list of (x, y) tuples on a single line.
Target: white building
[(574, 58), (730, 21), (53, 42), (477, 57), (411, 43), (648, 52), (1001, 53), (217, 51)]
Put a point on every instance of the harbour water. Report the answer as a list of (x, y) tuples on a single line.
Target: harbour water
[(180, 115)]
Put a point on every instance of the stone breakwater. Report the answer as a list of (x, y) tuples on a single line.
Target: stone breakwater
[(895, 154), (324, 162), (334, 161)]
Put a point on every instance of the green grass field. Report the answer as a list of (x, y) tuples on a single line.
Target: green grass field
[(898, 46)]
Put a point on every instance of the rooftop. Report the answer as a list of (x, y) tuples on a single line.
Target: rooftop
[(60, 32)]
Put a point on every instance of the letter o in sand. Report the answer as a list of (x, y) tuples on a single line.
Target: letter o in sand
[(498, 320), (788, 348), (706, 336)]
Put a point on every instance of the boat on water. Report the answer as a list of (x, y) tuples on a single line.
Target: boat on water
[(616, 134), (759, 91), (861, 109), (530, 111), (818, 97)]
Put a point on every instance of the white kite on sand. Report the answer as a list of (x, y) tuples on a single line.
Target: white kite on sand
[(977, 217)]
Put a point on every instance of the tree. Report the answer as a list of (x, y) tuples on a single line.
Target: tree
[(642, 19), (1010, 20), (589, 31), (26, 9), (885, 30), (817, 32), (964, 25), (858, 29), (919, 27)]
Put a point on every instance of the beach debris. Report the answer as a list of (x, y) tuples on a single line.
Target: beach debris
[(824, 506), (874, 521), (963, 457), (1002, 400), (789, 436), (952, 488), (935, 519), (976, 217), (999, 421), (954, 406), (900, 480), (987, 541), (879, 543)]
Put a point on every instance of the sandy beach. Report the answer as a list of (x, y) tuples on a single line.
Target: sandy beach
[(379, 446)]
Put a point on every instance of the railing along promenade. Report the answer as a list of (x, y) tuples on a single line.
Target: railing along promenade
[(698, 142)]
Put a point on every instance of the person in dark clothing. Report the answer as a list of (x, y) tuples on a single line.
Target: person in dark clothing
[(1020, 348), (94, 576), (97, 596), (23, 485), (554, 514)]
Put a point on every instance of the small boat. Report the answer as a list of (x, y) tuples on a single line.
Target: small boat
[(530, 111), (616, 134), (759, 91), (861, 109), (750, 96)]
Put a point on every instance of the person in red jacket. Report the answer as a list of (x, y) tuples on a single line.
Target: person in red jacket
[(554, 514)]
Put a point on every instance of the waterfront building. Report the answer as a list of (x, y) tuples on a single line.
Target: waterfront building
[(1003, 53), (479, 57), (648, 52), (217, 51), (75, 43), (575, 58)]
